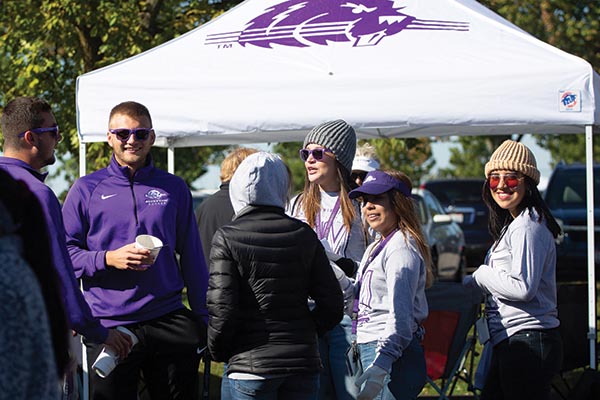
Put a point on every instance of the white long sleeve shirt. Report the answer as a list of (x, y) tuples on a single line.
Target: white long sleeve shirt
[(519, 279), (392, 302)]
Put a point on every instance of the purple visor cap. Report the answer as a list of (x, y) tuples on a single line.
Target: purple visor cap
[(377, 182)]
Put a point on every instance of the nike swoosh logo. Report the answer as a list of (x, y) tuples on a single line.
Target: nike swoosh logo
[(107, 196)]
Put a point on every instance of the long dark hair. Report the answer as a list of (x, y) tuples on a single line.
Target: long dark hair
[(28, 215), (500, 218)]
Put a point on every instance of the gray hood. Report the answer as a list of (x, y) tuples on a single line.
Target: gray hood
[(262, 179)]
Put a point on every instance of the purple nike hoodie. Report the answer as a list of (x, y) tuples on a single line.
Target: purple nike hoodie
[(79, 314), (107, 210)]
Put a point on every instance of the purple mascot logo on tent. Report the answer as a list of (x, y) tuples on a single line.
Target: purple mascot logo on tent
[(302, 23)]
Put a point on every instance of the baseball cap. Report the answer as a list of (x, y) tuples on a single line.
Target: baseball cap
[(377, 182)]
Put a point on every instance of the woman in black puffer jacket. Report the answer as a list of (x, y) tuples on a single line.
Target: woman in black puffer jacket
[(264, 266)]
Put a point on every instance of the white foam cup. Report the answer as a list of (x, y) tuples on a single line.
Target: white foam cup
[(107, 359), (105, 363), (149, 242)]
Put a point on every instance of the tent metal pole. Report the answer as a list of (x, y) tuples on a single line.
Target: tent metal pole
[(589, 160), (85, 377), (82, 165), (171, 160)]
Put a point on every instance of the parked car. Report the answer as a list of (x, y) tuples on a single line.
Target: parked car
[(565, 195), (444, 236), (461, 198)]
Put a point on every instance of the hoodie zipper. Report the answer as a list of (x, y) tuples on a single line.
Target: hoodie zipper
[(135, 213)]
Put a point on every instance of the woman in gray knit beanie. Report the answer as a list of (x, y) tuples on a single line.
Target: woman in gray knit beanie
[(324, 204), (524, 350)]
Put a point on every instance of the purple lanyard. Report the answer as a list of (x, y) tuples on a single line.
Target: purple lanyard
[(359, 281), (323, 232)]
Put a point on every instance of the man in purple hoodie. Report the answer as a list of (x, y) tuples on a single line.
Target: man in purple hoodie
[(30, 138), (104, 213)]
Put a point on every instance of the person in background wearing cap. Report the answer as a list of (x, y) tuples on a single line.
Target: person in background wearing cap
[(518, 279), (324, 204), (364, 162), (390, 303), (264, 265), (104, 212)]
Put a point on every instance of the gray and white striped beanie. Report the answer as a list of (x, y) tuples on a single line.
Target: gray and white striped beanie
[(337, 136)]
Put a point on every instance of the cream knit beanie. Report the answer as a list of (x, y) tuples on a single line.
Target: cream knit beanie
[(514, 156)]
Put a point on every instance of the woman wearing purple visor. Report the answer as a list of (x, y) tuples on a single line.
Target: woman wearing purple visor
[(390, 303)]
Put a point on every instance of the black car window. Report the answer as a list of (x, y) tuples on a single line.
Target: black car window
[(568, 189), (433, 205)]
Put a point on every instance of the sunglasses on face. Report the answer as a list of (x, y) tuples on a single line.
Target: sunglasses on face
[(317, 153), (358, 175), (39, 131), (510, 180), (123, 134)]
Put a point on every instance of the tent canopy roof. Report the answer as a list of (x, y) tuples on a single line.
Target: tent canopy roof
[(269, 70)]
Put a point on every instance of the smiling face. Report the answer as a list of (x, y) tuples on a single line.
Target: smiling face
[(378, 212), (506, 197), (322, 172), (133, 152)]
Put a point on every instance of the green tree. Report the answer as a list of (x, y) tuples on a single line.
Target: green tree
[(289, 153), (45, 45), (469, 160), (413, 156)]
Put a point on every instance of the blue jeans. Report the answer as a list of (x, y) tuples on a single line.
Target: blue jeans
[(408, 375), (336, 381), (523, 366), (225, 385), (293, 387)]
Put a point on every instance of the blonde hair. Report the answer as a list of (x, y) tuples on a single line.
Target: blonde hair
[(408, 220), (366, 150), (233, 160)]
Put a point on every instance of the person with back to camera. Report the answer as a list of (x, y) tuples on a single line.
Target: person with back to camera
[(364, 162), (518, 279), (31, 135), (324, 204), (104, 212), (34, 343), (264, 265), (390, 304), (213, 213)]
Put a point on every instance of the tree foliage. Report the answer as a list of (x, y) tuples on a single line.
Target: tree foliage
[(45, 45), (413, 156)]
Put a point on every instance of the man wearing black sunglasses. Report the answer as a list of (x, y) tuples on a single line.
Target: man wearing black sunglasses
[(104, 212), (31, 135)]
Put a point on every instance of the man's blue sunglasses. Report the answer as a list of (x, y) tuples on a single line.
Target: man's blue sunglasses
[(39, 131), (123, 134)]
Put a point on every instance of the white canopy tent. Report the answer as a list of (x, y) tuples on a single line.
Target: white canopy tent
[(269, 70)]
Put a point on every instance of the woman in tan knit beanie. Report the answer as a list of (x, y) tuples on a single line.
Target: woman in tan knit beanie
[(524, 350)]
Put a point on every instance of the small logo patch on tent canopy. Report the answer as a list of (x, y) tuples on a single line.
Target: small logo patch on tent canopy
[(569, 101)]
